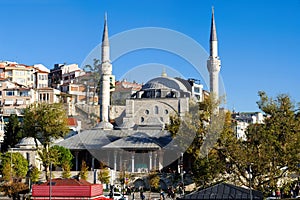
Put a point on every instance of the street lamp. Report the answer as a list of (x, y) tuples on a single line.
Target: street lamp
[(181, 172), (250, 177), (50, 182)]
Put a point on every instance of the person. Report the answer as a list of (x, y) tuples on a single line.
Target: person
[(162, 195), (142, 195), (111, 195)]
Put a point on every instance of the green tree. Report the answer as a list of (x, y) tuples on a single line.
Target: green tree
[(12, 132), (272, 149), (13, 174), (93, 79), (65, 156), (49, 157), (45, 122), (35, 174), (84, 171), (66, 170), (19, 167), (212, 167), (104, 176), (154, 180)]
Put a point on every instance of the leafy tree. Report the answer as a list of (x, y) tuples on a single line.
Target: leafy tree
[(199, 124), (272, 149), (19, 166), (12, 189), (66, 170), (93, 78), (65, 156), (13, 174), (153, 180), (84, 171), (212, 167), (12, 132), (45, 122), (35, 174), (49, 157), (104, 176)]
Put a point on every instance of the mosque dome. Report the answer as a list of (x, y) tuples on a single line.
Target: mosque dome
[(28, 142), (165, 83)]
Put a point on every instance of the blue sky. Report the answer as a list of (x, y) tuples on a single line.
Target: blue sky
[(259, 43)]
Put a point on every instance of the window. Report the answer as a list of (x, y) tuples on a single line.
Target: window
[(9, 93), (24, 93), (156, 109), (146, 112), (142, 119)]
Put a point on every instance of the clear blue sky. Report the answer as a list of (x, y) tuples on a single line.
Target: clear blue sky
[(259, 43)]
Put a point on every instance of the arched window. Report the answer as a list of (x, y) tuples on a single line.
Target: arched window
[(156, 109)]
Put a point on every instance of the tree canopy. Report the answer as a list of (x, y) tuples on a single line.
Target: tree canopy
[(45, 122), (271, 149), (19, 167), (12, 133)]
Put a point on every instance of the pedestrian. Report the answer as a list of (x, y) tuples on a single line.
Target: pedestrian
[(162, 195), (142, 196)]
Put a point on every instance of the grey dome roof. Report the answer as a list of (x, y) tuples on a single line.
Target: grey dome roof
[(28, 142), (165, 83)]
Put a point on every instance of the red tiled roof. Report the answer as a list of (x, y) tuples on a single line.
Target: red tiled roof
[(72, 121), (67, 182)]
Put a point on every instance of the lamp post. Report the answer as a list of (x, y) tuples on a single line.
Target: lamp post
[(250, 177), (50, 182), (181, 172)]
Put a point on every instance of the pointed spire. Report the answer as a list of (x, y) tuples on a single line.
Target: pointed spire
[(105, 41), (213, 31)]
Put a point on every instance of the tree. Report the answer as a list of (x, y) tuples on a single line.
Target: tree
[(66, 170), (272, 149), (12, 132), (13, 174), (35, 174), (153, 180), (65, 156), (215, 167), (84, 171), (45, 122), (104, 176), (49, 157), (94, 72), (19, 167)]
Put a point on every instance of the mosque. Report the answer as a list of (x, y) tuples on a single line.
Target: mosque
[(139, 142)]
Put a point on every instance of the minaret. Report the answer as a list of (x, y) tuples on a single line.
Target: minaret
[(106, 74), (213, 62)]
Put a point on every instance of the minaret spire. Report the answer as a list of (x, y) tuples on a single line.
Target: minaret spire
[(213, 36), (213, 31), (105, 42), (105, 78), (213, 62)]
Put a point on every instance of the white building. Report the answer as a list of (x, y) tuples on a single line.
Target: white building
[(244, 119)]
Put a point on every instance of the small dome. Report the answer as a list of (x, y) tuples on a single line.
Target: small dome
[(28, 142)]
